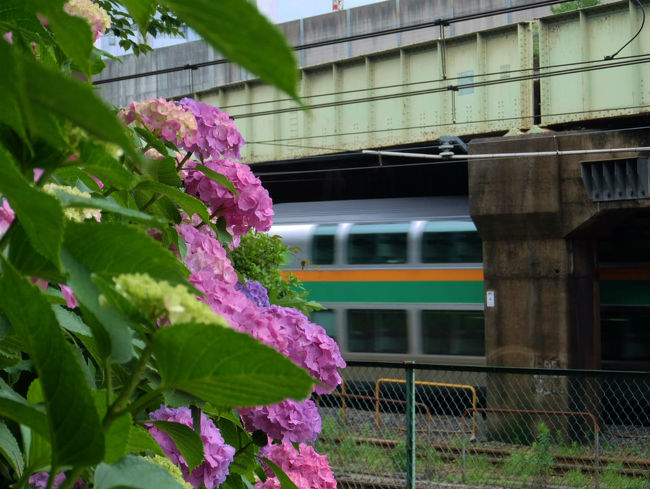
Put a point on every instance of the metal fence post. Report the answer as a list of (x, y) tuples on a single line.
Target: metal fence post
[(410, 425)]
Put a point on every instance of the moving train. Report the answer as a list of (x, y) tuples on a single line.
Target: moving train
[(402, 279)]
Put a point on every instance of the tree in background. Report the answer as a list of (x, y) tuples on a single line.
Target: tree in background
[(574, 5)]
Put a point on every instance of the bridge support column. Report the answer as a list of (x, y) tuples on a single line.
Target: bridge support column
[(539, 229)]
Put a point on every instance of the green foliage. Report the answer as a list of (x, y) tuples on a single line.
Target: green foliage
[(259, 258), (573, 5), (576, 478), (537, 462), (612, 478)]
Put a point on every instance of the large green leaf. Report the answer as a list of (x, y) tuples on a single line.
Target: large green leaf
[(187, 441), (26, 259), (191, 205), (225, 367), (74, 37), (114, 249), (75, 101), (10, 450), (243, 35), (117, 436), (112, 333), (11, 94), (40, 214), (133, 472), (97, 161), (72, 416)]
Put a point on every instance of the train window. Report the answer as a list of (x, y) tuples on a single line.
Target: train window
[(451, 242), (377, 243), (326, 319), (377, 331), (322, 246), (625, 334), (453, 333)]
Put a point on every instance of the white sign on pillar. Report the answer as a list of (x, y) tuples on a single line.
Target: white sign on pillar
[(489, 298)]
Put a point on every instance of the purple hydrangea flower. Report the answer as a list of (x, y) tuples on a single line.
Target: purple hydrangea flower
[(218, 136), (289, 420), (218, 456), (255, 292)]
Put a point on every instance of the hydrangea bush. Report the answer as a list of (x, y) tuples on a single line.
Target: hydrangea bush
[(133, 353)]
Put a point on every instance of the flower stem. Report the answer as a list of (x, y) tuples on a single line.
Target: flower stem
[(184, 160), (116, 409)]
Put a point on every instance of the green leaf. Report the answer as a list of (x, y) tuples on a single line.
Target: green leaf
[(11, 94), (74, 37), (243, 35), (108, 205), (71, 321), (284, 479), (133, 472), (187, 441), (75, 101), (217, 178), (14, 407), (152, 141), (71, 412), (40, 214), (225, 367), (111, 332), (97, 161), (26, 259), (37, 449), (140, 441), (114, 249), (141, 11), (10, 450), (162, 170), (191, 205)]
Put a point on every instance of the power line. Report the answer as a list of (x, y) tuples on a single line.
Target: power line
[(356, 37), (645, 58), (424, 82)]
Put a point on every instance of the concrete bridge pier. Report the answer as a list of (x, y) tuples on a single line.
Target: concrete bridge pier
[(539, 228)]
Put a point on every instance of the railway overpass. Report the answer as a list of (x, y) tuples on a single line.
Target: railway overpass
[(505, 84)]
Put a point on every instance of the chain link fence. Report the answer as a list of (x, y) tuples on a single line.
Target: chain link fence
[(425, 426)]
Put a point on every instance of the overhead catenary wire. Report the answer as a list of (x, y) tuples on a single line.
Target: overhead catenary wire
[(344, 39), (645, 58)]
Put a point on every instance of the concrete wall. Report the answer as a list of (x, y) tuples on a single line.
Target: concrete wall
[(370, 18)]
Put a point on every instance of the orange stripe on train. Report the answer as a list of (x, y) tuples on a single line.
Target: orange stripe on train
[(388, 275)]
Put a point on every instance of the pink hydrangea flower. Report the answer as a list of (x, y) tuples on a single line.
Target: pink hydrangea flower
[(205, 255), (92, 13), (250, 208), (289, 420), (165, 119), (310, 347), (218, 136), (7, 216), (306, 468), (218, 455)]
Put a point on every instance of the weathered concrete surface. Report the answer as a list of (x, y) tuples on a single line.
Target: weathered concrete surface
[(367, 19), (539, 228)]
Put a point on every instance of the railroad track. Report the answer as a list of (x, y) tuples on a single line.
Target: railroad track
[(497, 456)]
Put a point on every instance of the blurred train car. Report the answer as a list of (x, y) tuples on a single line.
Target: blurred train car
[(402, 280)]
